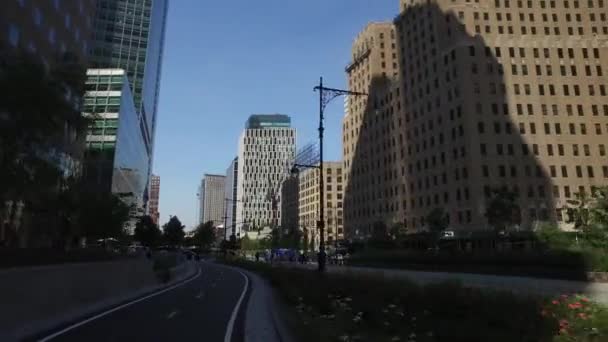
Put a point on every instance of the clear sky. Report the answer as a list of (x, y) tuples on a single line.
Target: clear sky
[(227, 59)]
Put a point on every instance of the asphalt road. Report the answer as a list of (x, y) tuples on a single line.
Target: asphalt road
[(200, 310)]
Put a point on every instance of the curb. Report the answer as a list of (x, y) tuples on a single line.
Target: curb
[(39, 328), (263, 321)]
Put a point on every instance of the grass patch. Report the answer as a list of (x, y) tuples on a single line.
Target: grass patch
[(332, 307)]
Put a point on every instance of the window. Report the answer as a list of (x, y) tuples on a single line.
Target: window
[(13, 35), (37, 16), (579, 171), (564, 171)]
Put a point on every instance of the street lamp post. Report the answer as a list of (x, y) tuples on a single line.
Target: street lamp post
[(326, 95), (226, 201)]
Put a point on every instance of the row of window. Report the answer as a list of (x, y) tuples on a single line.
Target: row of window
[(547, 4), (557, 128)]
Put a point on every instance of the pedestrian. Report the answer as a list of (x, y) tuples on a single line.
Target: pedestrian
[(257, 256)]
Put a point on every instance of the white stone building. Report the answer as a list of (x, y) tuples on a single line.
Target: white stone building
[(267, 148)]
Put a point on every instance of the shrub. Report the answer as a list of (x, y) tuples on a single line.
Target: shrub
[(332, 307)]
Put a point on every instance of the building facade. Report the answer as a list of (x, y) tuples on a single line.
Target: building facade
[(115, 159), (213, 200), (232, 176), (48, 29), (154, 197), (290, 205), (495, 94), (374, 70), (266, 153), (130, 35), (309, 202)]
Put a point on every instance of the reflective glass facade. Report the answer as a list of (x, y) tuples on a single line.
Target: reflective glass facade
[(116, 159), (130, 34)]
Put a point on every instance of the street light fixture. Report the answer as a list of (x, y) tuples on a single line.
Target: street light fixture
[(326, 95), (226, 200)]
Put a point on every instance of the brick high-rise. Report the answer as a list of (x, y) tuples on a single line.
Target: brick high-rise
[(488, 94), (154, 197)]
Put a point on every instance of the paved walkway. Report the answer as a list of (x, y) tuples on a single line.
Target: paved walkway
[(264, 319), (535, 286)]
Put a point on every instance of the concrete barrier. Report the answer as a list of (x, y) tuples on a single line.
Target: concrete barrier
[(34, 300)]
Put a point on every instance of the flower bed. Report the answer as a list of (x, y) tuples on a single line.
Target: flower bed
[(579, 319), (353, 308)]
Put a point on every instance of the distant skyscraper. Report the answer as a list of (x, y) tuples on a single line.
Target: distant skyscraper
[(266, 153), (232, 195), (212, 199), (154, 197), (130, 35)]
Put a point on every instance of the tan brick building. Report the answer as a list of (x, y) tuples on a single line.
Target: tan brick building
[(309, 202), (489, 93)]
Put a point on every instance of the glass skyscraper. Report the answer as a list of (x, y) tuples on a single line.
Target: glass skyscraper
[(129, 35), (116, 158)]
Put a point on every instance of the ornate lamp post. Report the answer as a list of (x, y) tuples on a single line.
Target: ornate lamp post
[(326, 95)]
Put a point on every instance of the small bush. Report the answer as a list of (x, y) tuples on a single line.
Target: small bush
[(162, 266)]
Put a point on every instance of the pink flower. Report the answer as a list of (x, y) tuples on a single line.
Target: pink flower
[(585, 299), (563, 323), (555, 302), (582, 315)]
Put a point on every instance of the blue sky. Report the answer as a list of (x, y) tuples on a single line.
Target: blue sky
[(227, 59)]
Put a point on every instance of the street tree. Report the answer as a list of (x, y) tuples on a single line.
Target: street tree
[(599, 210), (173, 231), (103, 215), (204, 236), (437, 220), (397, 230), (147, 232), (379, 231), (502, 210), (580, 210), (35, 114)]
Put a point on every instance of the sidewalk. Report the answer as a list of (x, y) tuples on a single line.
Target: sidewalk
[(532, 286), (264, 321)]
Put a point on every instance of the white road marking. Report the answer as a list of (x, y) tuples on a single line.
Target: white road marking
[(200, 295), (105, 313), (228, 337), (172, 314)]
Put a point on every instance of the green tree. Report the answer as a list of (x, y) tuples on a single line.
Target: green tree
[(147, 232), (579, 211), (204, 236), (104, 215), (397, 230), (248, 245), (35, 114), (379, 231), (173, 231), (502, 210), (437, 220), (599, 210)]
